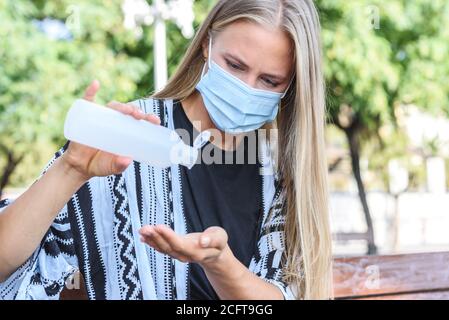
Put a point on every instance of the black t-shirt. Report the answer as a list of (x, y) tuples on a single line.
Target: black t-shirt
[(225, 195)]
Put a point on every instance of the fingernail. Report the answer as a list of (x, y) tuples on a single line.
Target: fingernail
[(205, 241)]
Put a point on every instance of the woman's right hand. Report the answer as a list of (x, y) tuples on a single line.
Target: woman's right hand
[(89, 162)]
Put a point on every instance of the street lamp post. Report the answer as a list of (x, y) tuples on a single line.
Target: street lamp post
[(160, 46), (139, 12)]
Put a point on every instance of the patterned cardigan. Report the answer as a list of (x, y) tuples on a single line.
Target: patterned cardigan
[(96, 233)]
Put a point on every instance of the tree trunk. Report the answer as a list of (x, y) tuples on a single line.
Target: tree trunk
[(11, 164), (354, 148)]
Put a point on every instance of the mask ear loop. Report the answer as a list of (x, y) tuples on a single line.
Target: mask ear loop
[(288, 88), (285, 93), (208, 56)]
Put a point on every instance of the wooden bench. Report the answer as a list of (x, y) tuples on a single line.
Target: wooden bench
[(393, 277)]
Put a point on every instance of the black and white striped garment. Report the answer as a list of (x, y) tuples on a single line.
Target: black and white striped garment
[(97, 233)]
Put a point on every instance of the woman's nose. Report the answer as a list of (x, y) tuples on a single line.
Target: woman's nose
[(250, 80)]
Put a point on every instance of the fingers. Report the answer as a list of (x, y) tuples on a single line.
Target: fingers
[(133, 111), (214, 237), (148, 240), (168, 235), (125, 109), (153, 236), (185, 248), (92, 90), (153, 119), (121, 164), (128, 109), (149, 236)]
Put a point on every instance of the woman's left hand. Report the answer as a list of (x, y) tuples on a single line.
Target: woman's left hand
[(202, 247)]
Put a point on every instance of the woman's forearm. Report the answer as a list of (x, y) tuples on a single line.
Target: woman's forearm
[(233, 281), (25, 221)]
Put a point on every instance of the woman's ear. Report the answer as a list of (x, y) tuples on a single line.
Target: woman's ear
[(205, 47)]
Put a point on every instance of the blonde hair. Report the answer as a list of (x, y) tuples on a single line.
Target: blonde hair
[(301, 122)]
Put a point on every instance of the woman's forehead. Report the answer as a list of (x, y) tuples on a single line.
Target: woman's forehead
[(257, 46)]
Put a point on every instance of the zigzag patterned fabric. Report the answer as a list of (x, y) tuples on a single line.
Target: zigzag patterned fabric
[(96, 233)]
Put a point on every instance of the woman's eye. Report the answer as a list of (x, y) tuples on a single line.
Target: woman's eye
[(234, 66), (270, 83)]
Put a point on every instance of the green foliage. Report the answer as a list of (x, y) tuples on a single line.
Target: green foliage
[(372, 69), (359, 69), (176, 45), (369, 70), (40, 77)]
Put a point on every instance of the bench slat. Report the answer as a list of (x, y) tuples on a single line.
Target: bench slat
[(393, 274), (393, 277), (432, 295), (75, 294)]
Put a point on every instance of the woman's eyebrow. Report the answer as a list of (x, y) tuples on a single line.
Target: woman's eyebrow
[(244, 65), (279, 78), (238, 60)]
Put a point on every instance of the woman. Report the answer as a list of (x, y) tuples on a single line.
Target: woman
[(219, 231)]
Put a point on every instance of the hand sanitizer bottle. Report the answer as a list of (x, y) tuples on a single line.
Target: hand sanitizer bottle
[(106, 129)]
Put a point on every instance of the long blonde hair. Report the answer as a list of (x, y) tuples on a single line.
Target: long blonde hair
[(301, 122)]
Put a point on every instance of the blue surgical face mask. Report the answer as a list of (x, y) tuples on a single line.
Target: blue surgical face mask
[(233, 106)]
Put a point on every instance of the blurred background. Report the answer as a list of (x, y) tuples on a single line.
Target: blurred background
[(387, 73)]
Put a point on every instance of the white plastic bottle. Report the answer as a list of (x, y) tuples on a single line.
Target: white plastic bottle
[(106, 129)]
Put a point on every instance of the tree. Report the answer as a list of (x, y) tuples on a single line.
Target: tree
[(40, 76), (361, 79), (380, 56), (176, 46)]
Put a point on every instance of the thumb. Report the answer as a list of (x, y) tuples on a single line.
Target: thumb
[(214, 237), (92, 90), (120, 164)]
